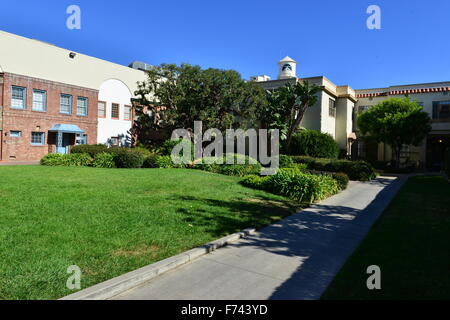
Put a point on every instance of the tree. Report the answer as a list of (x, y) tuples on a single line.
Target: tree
[(396, 122), (180, 95), (290, 104)]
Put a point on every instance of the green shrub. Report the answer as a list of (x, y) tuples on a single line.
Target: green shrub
[(76, 160), (285, 161), (126, 158), (314, 143), (355, 170), (168, 145), (341, 178), (150, 161), (79, 159), (239, 170), (91, 149), (295, 184), (250, 166), (253, 181), (104, 160), (53, 159), (166, 162), (145, 152)]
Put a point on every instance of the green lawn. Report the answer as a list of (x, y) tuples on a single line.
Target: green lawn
[(411, 245), (111, 221)]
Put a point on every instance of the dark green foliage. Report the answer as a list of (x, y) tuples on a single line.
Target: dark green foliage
[(341, 178), (285, 161), (314, 143), (295, 185), (126, 158), (355, 170), (248, 166), (219, 98), (150, 161), (56, 159), (168, 145), (91, 149), (104, 160), (395, 122), (166, 162), (53, 159)]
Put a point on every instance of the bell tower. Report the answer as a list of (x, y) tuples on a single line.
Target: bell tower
[(287, 68)]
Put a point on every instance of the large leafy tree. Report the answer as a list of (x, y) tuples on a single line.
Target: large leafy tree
[(179, 95), (396, 122), (287, 107)]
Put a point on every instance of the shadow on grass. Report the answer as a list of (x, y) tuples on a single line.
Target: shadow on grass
[(235, 215)]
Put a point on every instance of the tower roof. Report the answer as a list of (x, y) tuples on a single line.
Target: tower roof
[(287, 59)]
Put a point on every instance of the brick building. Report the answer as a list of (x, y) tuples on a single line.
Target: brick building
[(52, 99)]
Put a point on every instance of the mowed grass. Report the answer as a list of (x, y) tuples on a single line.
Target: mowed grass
[(411, 245), (111, 221)]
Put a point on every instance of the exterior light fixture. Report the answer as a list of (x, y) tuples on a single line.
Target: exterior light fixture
[(72, 55)]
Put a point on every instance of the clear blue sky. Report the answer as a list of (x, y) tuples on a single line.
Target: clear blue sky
[(326, 37)]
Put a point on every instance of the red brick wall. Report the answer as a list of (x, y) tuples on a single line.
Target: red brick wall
[(28, 121)]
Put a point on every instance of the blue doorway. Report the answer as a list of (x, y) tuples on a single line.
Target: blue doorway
[(65, 142)]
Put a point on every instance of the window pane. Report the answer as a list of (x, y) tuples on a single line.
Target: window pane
[(115, 111), (18, 97), (39, 100), (82, 106), (127, 113), (332, 109), (37, 138), (15, 134), (66, 103), (101, 109)]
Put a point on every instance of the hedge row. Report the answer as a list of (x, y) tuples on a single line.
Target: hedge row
[(294, 184), (314, 143), (355, 170), (112, 158)]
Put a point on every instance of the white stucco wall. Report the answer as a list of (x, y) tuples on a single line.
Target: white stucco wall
[(328, 123), (114, 91), (344, 121)]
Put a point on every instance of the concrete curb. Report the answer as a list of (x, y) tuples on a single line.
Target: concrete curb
[(120, 284)]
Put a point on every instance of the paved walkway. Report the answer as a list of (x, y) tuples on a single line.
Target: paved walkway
[(294, 259)]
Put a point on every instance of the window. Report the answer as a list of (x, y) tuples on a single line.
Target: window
[(15, 134), (115, 111), (363, 108), (441, 110), (81, 139), (18, 97), (114, 141), (101, 109), (37, 138), (65, 104), (82, 106), (39, 100), (332, 108), (127, 113)]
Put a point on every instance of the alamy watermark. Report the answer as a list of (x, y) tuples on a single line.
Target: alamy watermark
[(74, 281), (374, 20), (251, 143), (73, 22), (374, 281)]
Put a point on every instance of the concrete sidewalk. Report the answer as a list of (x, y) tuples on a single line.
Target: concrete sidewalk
[(296, 258)]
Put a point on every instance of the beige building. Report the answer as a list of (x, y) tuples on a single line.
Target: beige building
[(337, 107)]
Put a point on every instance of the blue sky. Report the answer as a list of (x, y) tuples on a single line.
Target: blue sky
[(326, 37)]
